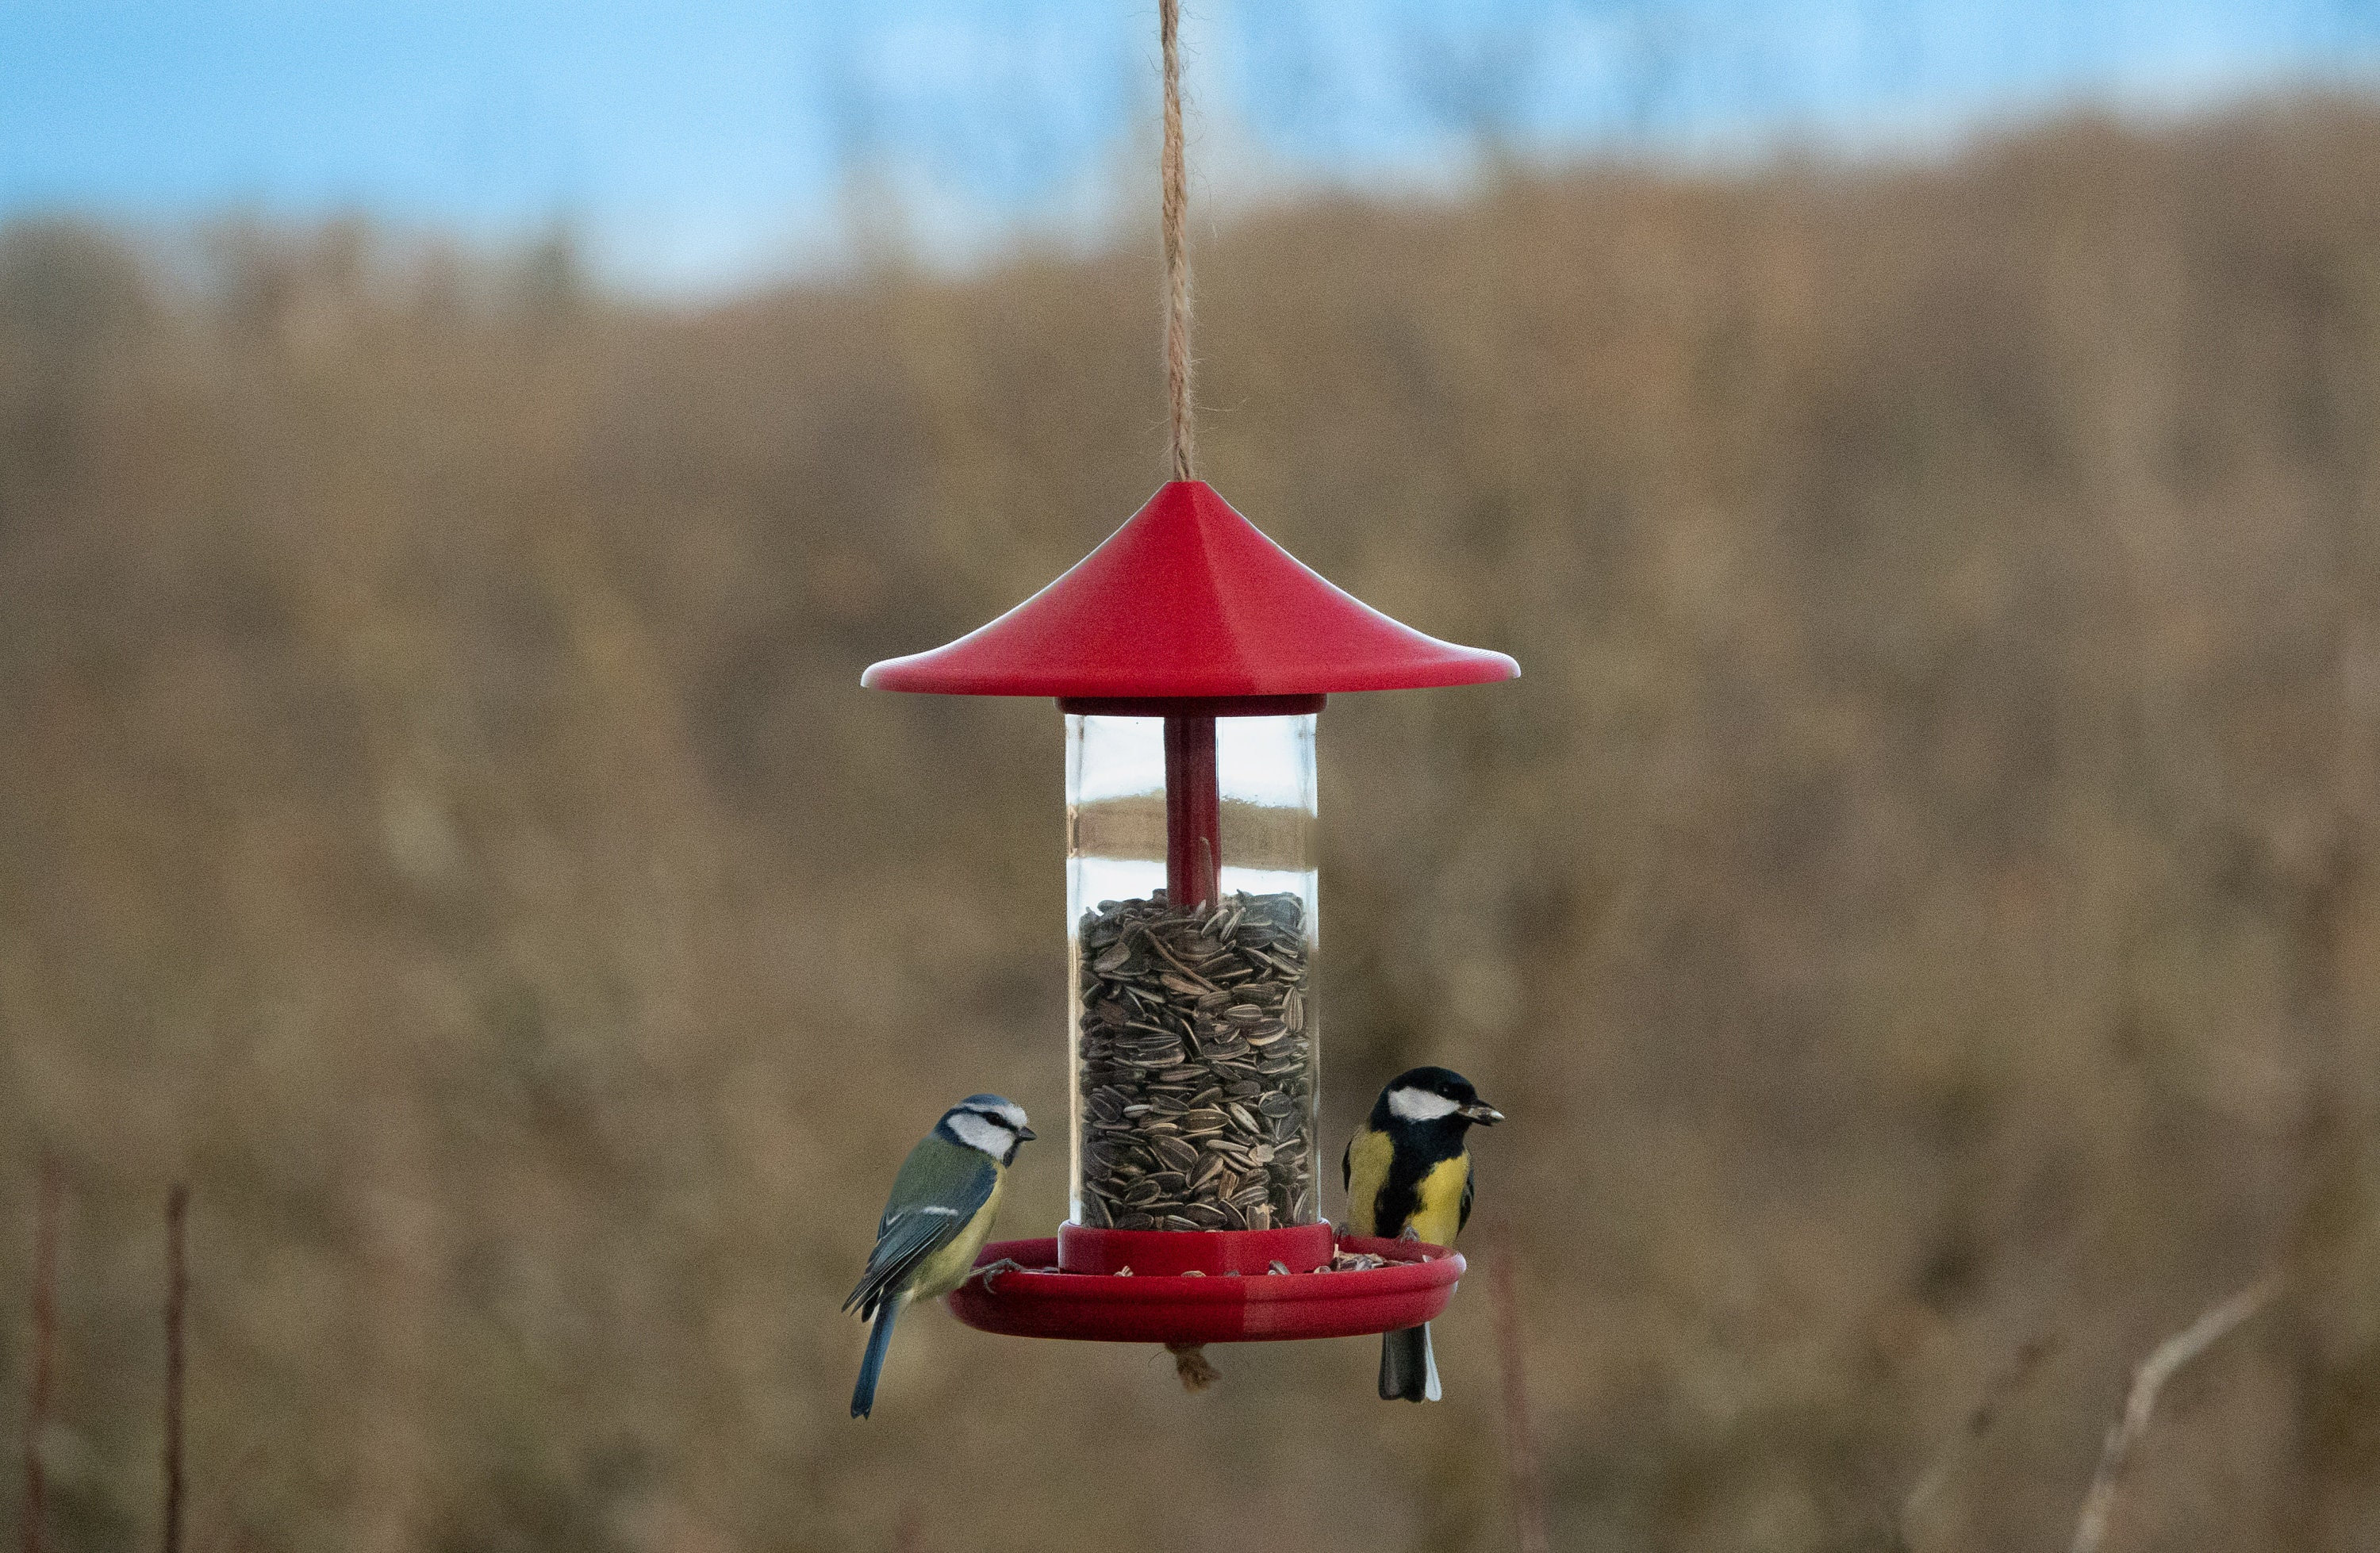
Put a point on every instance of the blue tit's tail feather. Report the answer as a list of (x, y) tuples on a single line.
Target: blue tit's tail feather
[(863, 1395), (1408, 1370)]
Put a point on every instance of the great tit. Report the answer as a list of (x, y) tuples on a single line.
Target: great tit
[(935, 1223), (1408, 1172)]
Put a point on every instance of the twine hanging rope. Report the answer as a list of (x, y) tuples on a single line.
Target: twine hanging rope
[(1189, 1358), (1177, 249)]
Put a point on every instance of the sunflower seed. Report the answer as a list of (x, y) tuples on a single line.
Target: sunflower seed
[(1174, 1152)]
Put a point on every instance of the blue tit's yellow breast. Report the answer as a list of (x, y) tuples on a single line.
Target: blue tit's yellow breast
[(948, 1268)]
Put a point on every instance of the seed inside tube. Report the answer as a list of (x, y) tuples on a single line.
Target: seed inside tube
[(1194, 1065)]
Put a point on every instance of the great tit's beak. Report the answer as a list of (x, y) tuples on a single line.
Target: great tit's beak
[(1027, 1134), (1481, 1112)]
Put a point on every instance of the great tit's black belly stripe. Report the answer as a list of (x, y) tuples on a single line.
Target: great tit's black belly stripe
[(1418, 1151)]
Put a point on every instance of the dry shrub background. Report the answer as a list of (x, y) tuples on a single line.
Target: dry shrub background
[(1920, 901)]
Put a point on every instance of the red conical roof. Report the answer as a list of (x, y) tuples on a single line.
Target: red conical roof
[(1189, 598)]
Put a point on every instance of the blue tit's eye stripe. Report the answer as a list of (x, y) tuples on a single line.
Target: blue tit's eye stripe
[(986, 1134)]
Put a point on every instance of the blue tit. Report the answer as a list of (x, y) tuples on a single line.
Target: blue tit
[(935, 1223), (1408, 1172)]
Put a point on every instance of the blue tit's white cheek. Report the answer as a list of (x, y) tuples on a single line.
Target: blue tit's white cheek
[(980, 1132), (1014, 1116), (1420, 1105)]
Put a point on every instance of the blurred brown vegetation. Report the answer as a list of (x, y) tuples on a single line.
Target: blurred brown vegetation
[(1919, 904)]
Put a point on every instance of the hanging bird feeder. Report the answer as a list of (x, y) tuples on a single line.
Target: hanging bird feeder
[(1191, 656)]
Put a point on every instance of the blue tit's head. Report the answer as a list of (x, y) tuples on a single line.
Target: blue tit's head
[(1432, 1098), (986, 1124)]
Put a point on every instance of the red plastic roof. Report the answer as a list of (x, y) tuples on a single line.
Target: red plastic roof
[(1189, 598)]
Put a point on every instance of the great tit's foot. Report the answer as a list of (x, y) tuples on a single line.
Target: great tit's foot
[(990, 1275), (1410, 1235)]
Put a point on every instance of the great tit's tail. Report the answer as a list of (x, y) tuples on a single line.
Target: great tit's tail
[(863, 1396), (1408, 1372)]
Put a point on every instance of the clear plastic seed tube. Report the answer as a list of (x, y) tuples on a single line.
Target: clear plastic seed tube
[(1191, 897)]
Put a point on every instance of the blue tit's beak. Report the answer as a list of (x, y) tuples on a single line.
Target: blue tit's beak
[(1027, 1134), (1481, 1112)]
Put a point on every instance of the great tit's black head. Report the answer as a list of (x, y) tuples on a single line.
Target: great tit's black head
[(987, 1124), (1432, 1097)]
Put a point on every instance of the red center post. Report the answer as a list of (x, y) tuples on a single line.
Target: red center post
[(1194, 810)]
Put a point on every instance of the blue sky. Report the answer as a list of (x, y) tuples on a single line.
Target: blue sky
[(698, 145)]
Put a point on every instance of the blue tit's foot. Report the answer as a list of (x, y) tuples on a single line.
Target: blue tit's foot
[(990, 1274)]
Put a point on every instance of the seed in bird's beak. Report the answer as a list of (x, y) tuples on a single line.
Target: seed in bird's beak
[(1482, 1112)]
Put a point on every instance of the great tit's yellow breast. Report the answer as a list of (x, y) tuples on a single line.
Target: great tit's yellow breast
[(1438, 1215), (1368, 1158), (947, 1268)]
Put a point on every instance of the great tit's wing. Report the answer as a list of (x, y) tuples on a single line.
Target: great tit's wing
[(941, 1186), (1470, 1178)]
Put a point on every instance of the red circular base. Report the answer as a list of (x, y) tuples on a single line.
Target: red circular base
[(1230, 1307)]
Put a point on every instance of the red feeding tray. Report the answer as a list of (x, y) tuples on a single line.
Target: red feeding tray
[(1246, 1307)]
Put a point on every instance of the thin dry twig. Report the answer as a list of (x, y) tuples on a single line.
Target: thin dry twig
[(49, 1205), (1519, 1447), (2099, 1504), (177, 1289)]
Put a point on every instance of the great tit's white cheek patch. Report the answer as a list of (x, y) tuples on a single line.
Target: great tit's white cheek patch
[(1420, 1105), (980, 1132)]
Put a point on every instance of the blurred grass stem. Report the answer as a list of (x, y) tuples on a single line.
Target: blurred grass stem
[(1519, 1447), (177, 1289), (48, 1205)]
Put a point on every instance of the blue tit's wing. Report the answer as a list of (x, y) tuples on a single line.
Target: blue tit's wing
[(940, 1188)]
